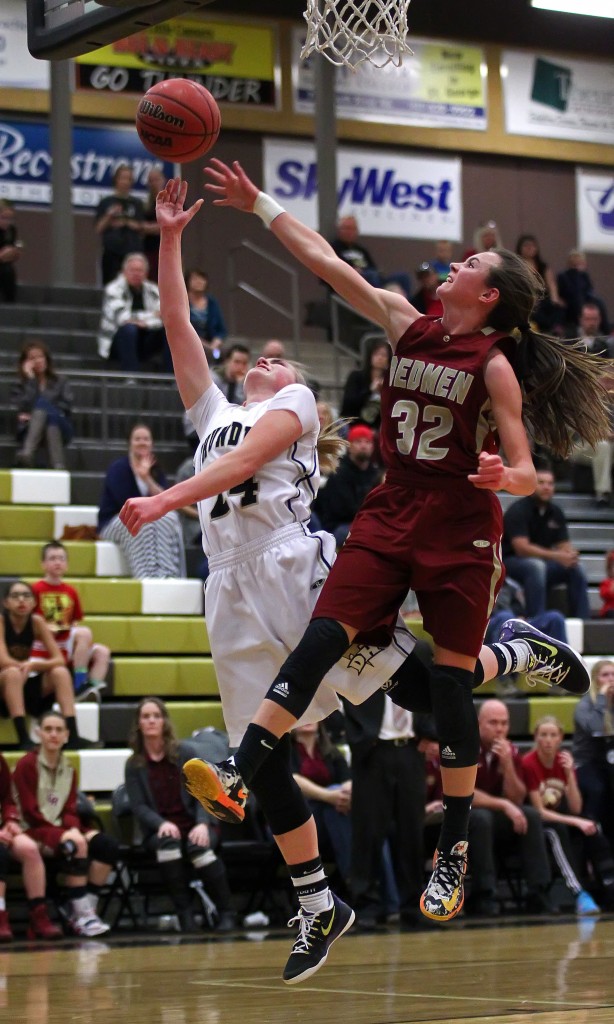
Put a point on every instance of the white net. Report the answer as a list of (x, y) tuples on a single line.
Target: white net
[(348, 32)]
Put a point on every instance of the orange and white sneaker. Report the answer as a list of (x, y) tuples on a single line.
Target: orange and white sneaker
[(444, 895), (218, 787)]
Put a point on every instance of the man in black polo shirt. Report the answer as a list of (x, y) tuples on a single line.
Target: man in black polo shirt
[(537, 552)]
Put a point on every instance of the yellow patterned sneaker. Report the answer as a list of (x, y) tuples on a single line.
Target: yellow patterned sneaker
[(444, 896), (316, 934), (218, 787), (550, 661)]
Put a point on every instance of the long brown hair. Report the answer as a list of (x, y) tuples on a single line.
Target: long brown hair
[(25, 352), (564, 394), (135, 739)]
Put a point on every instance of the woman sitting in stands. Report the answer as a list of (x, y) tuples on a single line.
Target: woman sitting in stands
[(43, 401), (27, 683), (16, 845), (593, 747), (174, 825), (158, 550), (46, 790)]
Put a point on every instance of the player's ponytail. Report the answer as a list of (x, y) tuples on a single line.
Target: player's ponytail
[(331, 445), (565, 389)]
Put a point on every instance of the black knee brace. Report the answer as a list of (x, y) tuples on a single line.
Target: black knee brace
[(455, 716), (4, 861), (323, 643), (103, 848), (76, 867), (278, 793), (167, 848), (410, 686)]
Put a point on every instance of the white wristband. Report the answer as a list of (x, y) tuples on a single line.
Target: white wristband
[(267, 209)]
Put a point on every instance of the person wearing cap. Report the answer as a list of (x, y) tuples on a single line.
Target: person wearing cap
[(425, 299), (346, 489)]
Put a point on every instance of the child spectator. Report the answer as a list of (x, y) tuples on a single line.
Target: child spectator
[(46, 789), (16, 845), (60, 606), (553, 790), (32, 683), (606, 589)]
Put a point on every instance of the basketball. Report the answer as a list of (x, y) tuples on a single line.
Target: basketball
[(178, 120)]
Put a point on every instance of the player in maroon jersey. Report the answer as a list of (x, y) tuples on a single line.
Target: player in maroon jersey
[(434, 525)]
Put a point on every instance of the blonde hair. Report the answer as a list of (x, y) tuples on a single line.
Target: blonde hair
[(331, 445), (548, 720)]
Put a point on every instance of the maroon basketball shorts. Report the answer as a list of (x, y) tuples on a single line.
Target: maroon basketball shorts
[(443, 544)]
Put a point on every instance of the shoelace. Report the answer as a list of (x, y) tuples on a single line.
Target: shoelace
[(305, 924), (542, 670), (448, 874)]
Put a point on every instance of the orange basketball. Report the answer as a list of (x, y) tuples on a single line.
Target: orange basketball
[(178, 120)]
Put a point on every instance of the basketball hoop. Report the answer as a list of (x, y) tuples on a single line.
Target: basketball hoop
[(348, 32)]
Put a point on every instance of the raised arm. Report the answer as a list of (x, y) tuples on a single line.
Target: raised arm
[(388, 309), (189, 359)]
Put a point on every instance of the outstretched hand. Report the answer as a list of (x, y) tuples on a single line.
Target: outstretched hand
[(491, 474), (169, 205), (138, 511), (231, 184)]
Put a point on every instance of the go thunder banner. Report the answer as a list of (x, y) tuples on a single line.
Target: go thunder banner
[(237, 63)]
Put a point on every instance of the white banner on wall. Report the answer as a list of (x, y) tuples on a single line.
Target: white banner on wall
[(558, 98), (392, 196), (595, 210), (443, 85), (18, 69)]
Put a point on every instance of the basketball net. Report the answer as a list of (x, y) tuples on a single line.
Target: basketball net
[(348, 32)]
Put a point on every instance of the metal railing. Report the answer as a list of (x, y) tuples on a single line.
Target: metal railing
[(290, 312)]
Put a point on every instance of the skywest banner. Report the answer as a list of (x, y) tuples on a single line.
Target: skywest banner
[(391, 195)]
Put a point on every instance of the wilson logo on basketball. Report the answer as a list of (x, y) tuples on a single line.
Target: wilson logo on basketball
[(155, 139), (157, 111)]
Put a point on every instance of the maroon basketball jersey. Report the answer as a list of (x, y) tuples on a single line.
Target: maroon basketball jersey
[(436, 416)]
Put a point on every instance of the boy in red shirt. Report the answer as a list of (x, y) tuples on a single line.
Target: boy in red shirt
[(60, 606)]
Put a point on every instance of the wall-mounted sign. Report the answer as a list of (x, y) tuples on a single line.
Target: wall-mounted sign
[(595, 211)]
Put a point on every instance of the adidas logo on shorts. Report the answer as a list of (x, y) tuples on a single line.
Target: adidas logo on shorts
[(449, 754), (281, 688)]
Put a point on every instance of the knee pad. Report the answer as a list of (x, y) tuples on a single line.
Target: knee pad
[(103, 848), (410, 686), (277, 792), (201, 856), (455, 716), (76, 867), (168, 849), (324, 642)]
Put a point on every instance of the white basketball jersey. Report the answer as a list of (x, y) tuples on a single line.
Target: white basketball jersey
[(280, 493)]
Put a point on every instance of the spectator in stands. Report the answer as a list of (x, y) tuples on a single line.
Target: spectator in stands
[(549, 313), (498, 823), (388, 798), (606, 589), (575, 290), (119, 223), (590, 330), (537, 551), (599, 458), (593, 747), (46, 789), (29, 683), (158, 549), (363, 387), (10, 251), (16, 845), (229, 378), (131, 330), (175, 827), (43, 401), (323, 776), (349, 249), (347, 488), (60, 606), (552, 786), (485, 237), (425, 299), (205, 314), (441, 262), (149, 225)]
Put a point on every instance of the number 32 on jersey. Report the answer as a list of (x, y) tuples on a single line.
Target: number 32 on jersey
[(409, 427)]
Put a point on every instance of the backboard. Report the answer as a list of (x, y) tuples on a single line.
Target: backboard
[(58, 29)]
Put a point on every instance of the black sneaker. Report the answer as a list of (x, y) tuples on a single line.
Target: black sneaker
[(444, 895), (316, 934), (551, 661), (218, 787)]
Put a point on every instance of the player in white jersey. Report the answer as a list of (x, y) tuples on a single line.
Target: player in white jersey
[(257, 472)]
